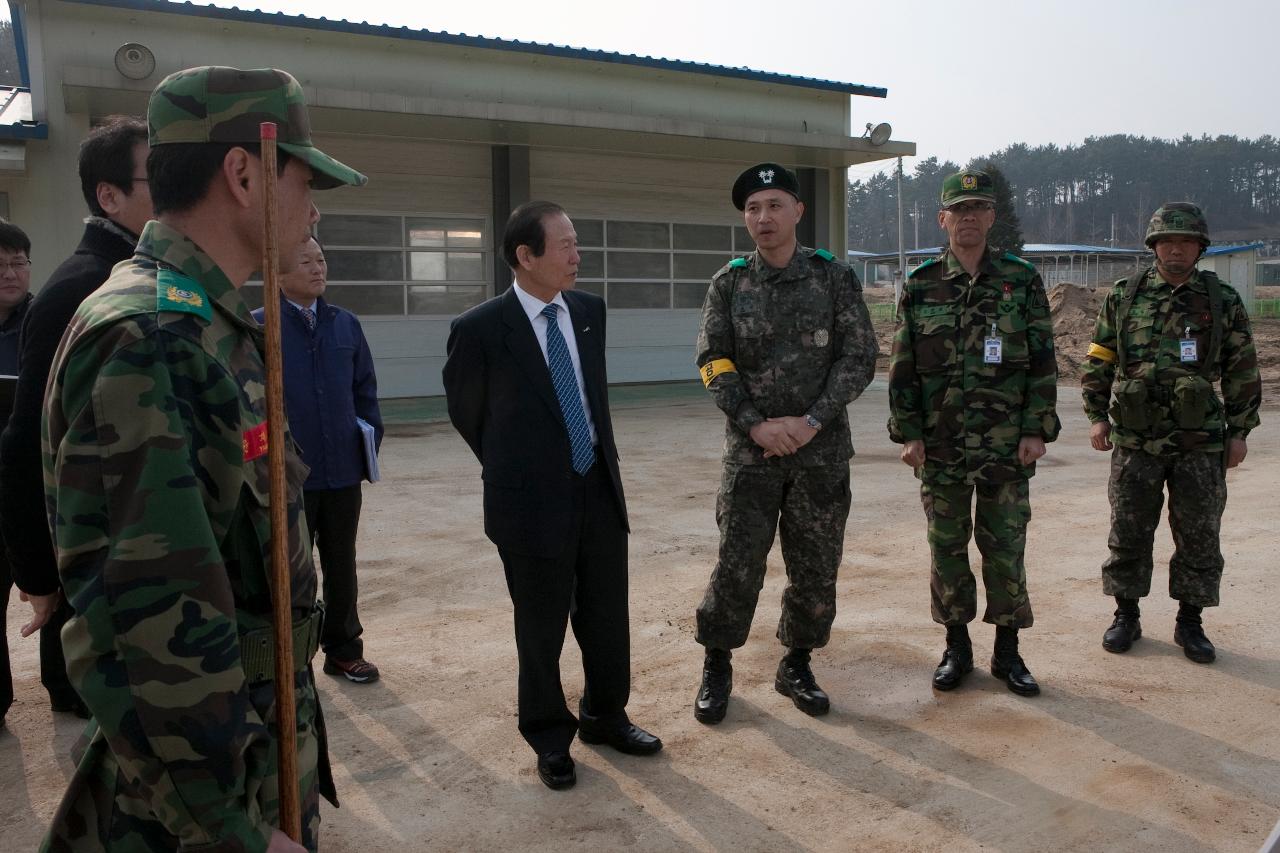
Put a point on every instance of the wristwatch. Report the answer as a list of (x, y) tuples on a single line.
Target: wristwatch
[(812, 422)]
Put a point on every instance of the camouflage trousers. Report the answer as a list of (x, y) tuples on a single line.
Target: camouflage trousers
[(104, 810), (809, 507), (999, 524), (1197, 497)]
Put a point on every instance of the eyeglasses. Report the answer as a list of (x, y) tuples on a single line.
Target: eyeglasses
[(967, 207), (16, 266)]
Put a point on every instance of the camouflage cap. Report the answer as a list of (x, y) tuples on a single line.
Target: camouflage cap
[(764, 176), (1177, 219), (218, 104), (969, 185)]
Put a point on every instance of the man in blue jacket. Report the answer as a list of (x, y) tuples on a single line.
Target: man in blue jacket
[(328, 384)]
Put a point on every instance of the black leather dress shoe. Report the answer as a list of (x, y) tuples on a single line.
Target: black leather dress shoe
[(1195, 645), (1125, 628), (555, 769), (628, 737), (957, 662), (795, 679)]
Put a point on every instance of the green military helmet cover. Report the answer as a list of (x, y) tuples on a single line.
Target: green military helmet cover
[(1178, 219), (969, 185), (226, 105), (764, 176)]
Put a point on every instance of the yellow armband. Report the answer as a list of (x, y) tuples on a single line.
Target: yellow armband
[(714, 368), (1102, 353)]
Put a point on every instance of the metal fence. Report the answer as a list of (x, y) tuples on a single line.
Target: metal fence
[(1258, 309)]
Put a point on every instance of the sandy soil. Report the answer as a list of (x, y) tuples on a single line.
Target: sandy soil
[(1145, 751)]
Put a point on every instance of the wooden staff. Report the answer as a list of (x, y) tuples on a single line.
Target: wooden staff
[(282, 621)]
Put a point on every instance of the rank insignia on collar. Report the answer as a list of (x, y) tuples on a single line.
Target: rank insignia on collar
[(183, 297), (766, 176)]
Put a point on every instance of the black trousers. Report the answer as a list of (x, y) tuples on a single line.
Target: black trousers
[(587, 587), (53, 666), (333, 518)]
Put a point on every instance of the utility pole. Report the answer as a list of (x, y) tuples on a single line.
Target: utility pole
[(1113, 230), (902, 255), (915, 218)]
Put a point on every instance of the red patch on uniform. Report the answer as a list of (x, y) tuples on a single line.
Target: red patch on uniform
[(1206, 319), (255, 442), (1008, 290)]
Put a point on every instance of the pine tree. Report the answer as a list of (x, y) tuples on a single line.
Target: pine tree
[(1006, 234)]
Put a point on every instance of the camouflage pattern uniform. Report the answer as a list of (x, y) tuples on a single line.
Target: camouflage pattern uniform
[(158, 490), (1188, 460), (775, 343), (157, 484), (971, 415)]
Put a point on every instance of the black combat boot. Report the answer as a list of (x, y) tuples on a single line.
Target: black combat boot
[(795, 679), (957, 660), (1189, 634), (1007, 664), (1125, 628), (717, 683)]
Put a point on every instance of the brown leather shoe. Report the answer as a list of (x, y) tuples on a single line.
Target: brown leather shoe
[(359, 671)]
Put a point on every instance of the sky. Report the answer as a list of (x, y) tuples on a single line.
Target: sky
[(964, 78)]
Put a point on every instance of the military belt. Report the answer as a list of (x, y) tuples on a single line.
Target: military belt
[(258, 647)]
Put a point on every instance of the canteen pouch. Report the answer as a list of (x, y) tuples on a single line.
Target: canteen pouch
[(1191, 399), (1132, 408)]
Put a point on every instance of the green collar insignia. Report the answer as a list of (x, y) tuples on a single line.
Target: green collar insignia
[(177, 292), (824, 254), (738, 262)]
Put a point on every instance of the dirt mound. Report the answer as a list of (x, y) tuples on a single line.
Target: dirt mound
[(1075, 312)]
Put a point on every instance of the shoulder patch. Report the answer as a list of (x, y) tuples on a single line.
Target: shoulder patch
[(177, 292), (739, 262), (924, 265), (824, 254), (1010, 256)]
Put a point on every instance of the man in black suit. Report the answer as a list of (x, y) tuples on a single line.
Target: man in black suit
[(525, 380), (113, 180)]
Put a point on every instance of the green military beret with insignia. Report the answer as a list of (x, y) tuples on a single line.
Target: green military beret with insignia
[(218, 104), (968, 185), (764, 176)]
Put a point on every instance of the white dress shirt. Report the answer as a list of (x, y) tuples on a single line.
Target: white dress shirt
[(533, 306)]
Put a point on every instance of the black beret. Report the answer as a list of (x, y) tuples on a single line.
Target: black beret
[(764, 176)]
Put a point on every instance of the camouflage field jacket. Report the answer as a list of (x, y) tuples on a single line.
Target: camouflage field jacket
[(157, 488), (786, 342), (970, 406), (1160, 318)]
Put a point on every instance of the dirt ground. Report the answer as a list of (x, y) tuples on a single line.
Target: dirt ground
[(1143, 751)]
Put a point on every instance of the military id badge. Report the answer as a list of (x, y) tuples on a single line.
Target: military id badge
[(993, 348), (1187, 346)]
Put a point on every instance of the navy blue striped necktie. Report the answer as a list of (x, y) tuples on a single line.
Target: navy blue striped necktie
[(566, 385)]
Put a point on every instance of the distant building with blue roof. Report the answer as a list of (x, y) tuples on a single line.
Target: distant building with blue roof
[(454, 131)]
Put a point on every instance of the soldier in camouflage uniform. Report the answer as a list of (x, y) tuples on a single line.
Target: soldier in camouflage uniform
[(157, 486), (972, 394), (1163, 338), (785, 344)]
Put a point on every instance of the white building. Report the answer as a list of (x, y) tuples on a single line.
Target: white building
[(454, 132)]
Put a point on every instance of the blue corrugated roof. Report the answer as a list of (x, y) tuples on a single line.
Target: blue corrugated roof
[(1231, 250), (364, 28)]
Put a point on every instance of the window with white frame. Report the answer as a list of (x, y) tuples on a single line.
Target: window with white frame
[(398, 265), (635, 264)]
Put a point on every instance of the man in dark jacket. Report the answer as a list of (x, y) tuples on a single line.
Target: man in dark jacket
[(113, 178), (328, 384), (15, 299)]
